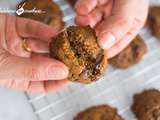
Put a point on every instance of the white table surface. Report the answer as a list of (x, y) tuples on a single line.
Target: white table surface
[(14, 106)]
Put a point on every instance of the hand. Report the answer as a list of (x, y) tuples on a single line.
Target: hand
[(116, 22), (24, 70)]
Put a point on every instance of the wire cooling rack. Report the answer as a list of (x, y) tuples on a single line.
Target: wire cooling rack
[(116, 88)]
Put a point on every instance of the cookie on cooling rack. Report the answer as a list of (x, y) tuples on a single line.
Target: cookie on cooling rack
[(78, 48), (51, 15), (154, 20), (101, 112), (130, 55), (147, 105)]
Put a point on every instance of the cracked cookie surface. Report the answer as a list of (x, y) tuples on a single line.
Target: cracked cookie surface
[(78, 48), (101, 112), (146, 105)]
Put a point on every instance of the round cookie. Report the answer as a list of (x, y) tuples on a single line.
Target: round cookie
[(50, 15), (78, 48), (130, 55), (101, 112), (154, 20), (147, 105)]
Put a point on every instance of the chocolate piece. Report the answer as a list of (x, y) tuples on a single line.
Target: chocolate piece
[(101, 112), (50, 12), (130, 55), (78, 48), (147, 105)]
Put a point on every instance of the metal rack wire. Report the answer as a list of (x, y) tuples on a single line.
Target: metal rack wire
[(115, 88)]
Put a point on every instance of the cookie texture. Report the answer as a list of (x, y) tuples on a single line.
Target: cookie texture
[(78, 48), (147, 105), (101, 112), (50, 12), (154, 20), (130, 55)]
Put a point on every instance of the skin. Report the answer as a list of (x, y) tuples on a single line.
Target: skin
[(116, 22), (29, 71)]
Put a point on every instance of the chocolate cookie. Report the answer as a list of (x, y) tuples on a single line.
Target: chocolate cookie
[(50, 12), (78, 48), (147, 105), (154, 21), (102, 112), (130, 55)]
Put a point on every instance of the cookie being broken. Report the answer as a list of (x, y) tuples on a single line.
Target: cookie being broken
[(77, 47)]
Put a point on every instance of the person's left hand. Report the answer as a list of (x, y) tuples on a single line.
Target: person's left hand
[(28, 70), (116, 22)]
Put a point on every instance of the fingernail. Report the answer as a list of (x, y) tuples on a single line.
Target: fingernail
[(57, 73), (107, 40)]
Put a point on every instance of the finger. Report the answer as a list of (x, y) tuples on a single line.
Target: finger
[(45, 86), (12, 84), (107, 9), (36, 68), (52, 86), (13, 41), (37, 46), (36, 87), (91, 19), (112, 29), (102, 2), (28, 28), (126, 40), (83, 7), (3, 31)]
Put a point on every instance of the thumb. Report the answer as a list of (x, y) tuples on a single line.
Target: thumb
[(35, 68), (112, 29)]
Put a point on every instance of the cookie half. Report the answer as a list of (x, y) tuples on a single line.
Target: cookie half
[(101, 112), (130, 55), (77, 47), (146, 105), (50, 12)]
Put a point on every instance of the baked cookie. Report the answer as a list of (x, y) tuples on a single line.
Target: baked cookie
[(50, 12), (101, 112), (130, 55), (147, 105), (154, 21), (78, 48)]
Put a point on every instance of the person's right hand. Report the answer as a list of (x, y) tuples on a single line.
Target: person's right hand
[(116, 22), (23, 70)]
